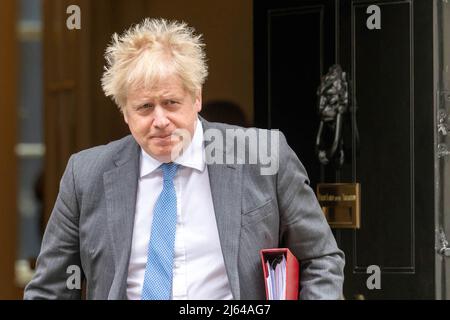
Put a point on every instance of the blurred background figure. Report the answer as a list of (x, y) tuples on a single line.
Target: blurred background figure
[(224, 111)]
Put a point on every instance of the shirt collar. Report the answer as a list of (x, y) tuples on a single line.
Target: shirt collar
[(193, 157)]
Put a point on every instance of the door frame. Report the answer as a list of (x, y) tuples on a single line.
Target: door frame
[(8, 139)]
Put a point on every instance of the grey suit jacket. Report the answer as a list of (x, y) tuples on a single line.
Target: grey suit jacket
[(92, 223)]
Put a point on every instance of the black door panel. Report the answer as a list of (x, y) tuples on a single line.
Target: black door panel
[(391, 75)]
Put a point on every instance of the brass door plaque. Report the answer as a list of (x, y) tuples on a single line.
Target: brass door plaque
[(340, 203)]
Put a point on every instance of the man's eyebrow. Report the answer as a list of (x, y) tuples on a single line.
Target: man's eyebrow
[(149, 99), (171, 98), (170, 95), (141, 100)]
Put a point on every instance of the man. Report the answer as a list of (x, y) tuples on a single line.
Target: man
[(161, 215)]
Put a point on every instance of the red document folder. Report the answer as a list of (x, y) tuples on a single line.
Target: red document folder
[(292, 270)]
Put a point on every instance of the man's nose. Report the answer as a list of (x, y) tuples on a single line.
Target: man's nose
[(160, 118)]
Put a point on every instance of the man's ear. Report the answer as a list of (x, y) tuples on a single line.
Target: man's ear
[(125, 114), (198, 101)]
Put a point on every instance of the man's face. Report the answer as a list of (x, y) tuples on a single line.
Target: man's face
[(154, 115)]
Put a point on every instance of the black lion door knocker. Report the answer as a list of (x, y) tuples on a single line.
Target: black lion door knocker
[(333, 104)]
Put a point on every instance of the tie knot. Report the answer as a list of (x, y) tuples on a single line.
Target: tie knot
[(169, 171)]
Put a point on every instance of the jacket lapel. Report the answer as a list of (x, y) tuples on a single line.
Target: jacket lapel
[(225, 182), (120, 192)]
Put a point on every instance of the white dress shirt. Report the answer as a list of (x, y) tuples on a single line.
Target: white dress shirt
[(198, 269)]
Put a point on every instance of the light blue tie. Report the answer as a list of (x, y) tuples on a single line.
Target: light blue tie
[(158, 273)]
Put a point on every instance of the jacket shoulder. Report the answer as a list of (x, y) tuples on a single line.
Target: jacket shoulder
[(101, 158), (106, 151)]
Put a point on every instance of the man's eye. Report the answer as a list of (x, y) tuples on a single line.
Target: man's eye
[(145, 106), (171, 102)]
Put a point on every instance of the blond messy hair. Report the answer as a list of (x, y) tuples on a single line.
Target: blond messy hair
[(150, 51)]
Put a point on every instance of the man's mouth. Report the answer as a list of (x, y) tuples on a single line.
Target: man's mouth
[(161, 136), (162, 139)]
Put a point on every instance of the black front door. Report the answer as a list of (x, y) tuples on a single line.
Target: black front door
[(388, 140)]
